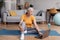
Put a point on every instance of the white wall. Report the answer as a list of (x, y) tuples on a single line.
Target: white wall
[(43, 4), (22, 2), (13, 4)]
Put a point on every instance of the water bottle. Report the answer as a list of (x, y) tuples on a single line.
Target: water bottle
[(49, 25)]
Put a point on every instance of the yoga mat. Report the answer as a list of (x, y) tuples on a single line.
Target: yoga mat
[(17, 32)]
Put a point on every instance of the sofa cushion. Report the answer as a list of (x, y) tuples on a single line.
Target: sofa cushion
[(12, 13), (38, 17), (13, 18), (20, 12), (35, 12)]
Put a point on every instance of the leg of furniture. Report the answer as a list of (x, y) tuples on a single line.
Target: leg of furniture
[(4, 22)]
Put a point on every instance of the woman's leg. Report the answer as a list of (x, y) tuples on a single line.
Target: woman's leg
[(33, 30), (23, 27)]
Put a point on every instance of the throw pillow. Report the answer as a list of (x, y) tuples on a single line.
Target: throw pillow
[(12, 13), (39, 13)]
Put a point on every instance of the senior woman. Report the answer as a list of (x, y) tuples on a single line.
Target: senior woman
[(27, 22)]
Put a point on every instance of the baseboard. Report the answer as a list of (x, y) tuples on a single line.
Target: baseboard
[(42, 22)]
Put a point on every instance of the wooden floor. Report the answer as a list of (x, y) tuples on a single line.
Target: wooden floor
[(16, 37)]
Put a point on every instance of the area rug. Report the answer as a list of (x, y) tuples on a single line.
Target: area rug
[(17, 32)]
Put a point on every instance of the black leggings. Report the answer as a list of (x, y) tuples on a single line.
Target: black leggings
[(32, 30)]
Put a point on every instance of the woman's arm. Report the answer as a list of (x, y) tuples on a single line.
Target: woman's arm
[(20, 27), (36, 26)]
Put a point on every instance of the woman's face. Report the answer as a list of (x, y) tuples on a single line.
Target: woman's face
[(29, 12)]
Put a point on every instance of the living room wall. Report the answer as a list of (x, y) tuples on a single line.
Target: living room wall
[(43, 4)]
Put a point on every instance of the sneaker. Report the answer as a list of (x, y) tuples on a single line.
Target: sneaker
[(25, 31), (22, 36)]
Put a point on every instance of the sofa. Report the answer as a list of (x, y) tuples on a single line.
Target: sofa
[(8, 18)]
